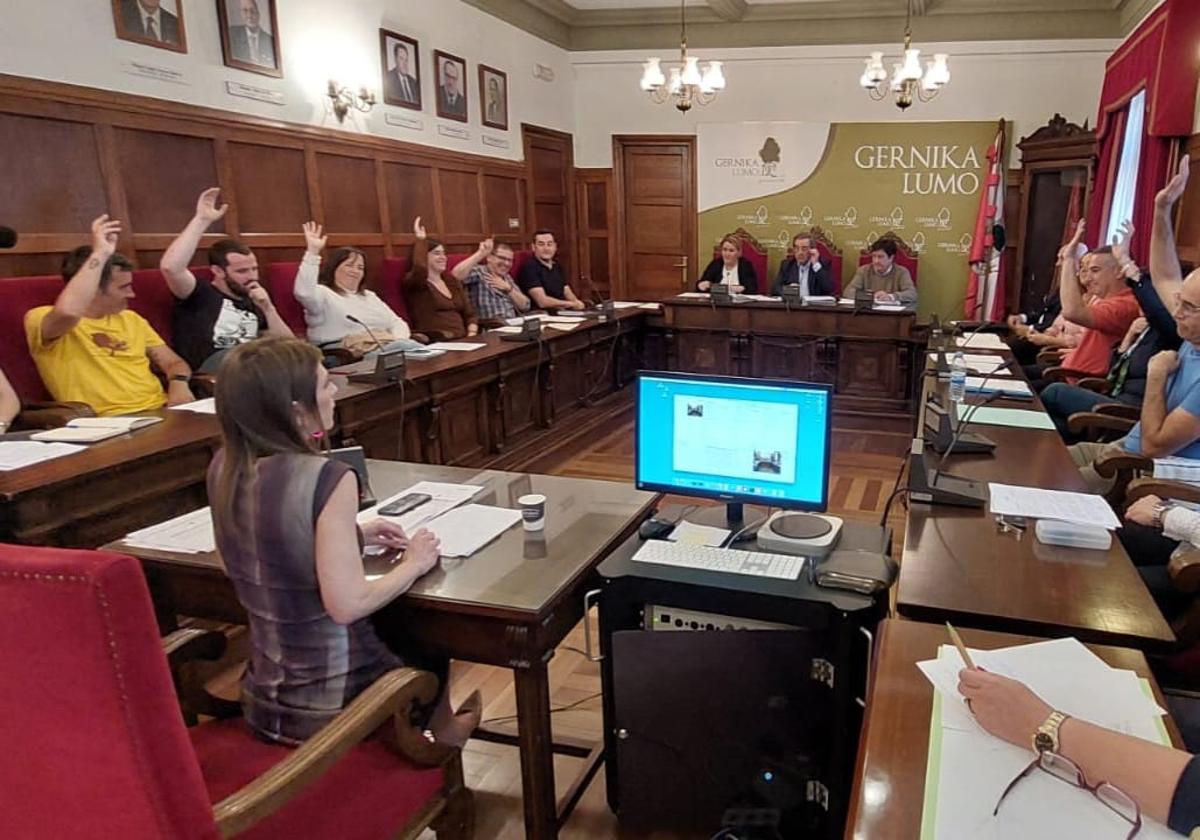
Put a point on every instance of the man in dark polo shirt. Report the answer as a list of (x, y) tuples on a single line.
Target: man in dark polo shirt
[(542, 278)]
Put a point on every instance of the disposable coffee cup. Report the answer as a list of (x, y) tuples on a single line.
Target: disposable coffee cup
[(533, 511)]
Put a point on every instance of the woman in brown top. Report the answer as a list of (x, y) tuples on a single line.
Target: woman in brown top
[(285, 523), (437, 302)]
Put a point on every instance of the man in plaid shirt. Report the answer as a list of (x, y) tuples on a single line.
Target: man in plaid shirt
[(492, 291)]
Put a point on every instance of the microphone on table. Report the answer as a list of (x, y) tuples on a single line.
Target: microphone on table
[(8, 237), (389, 367), (374, 337)]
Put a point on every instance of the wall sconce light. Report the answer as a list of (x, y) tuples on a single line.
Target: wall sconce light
[(344, 99)]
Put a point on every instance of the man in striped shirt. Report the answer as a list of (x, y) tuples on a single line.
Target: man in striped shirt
[(492, 290)]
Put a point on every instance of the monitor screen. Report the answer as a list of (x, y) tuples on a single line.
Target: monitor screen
[(739, 440)]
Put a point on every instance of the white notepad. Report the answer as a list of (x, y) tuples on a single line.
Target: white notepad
[(466, 529), (92, 429)]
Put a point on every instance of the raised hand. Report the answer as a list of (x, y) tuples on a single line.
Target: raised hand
[(313, 238), (1169, 194), (1069, 251), (105, 232), (207, 209), (486, 247), (418, 228), (1120, 244)]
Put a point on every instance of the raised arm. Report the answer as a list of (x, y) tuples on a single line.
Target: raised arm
[(305, 287), (73, 301), (1165, 270), (175, 259), (10, 405), (420, 258), (461, 270), (1070, 293)]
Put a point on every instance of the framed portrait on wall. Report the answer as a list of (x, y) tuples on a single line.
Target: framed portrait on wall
[(451, 73), (155, 23), (493, 97), (250, 36), (400, 60)]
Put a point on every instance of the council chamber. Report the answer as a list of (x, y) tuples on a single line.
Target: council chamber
[(700, 420)]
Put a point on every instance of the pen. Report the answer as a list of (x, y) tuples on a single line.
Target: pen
[(958, 643)]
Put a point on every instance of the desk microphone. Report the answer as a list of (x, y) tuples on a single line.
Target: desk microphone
[(965, 421), (8, 237), (967, 338), (375, 338)]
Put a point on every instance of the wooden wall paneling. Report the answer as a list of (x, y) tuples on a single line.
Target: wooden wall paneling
[(312, 180), (349, 200), (595, 217), (110, 172), (269, 187), (550, 167), (163, 173), (461, 209), (385, 207), (410, 193), (502, 202), (1187, 225), (53, 179)]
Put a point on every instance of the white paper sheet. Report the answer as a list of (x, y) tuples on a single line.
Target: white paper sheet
[(465, 530), (626, 304), (15, 454), (692, 294), (980, 341), (889, 307), (651, 306), (980, 364), (563, 327), (687, 533), (462, 346), (1063, 505), (443, 497), (826, 299), (505, 330), (982, 385), (205, 406), (191, 533), (1017, 418)]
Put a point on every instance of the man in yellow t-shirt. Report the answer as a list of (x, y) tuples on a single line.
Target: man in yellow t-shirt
[(89, 347)]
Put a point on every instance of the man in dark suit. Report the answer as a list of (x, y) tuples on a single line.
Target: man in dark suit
[(398, 83), (803, 268), (250, 42), (450, 95), (148, 19)]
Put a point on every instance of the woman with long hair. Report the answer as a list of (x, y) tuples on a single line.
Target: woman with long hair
[(338, 309), (285, 523), (730, 269), (436, 298)]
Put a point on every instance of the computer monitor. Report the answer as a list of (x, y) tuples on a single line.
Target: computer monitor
[(762, 441)]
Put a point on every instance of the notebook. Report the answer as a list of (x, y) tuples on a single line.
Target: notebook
[(92, 429)]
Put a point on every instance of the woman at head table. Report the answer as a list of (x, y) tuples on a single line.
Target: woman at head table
[(730, 270), (284, 516)]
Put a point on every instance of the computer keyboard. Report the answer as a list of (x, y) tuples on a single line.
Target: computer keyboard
[(731, 560)]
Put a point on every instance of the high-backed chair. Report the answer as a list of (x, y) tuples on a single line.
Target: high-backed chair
[(391, 277), (280, 282), (905, 255), (754, 251), (153, 299), (95, 745), (831, 256)]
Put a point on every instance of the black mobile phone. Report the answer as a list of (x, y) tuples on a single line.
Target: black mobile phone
[(404, 504)]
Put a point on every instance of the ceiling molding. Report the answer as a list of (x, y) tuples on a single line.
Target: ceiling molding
[(738, 23)]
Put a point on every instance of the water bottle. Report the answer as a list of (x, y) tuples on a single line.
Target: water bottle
[(958, 378)]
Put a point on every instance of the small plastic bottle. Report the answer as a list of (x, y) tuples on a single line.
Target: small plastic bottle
[(958, 378)]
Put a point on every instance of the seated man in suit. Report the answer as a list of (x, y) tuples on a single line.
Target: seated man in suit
[(10, 404), (887, 281), (148, 19), (90, 347), (212, 318), (730, 269), (249, 42), (542, 278), (803, 268)]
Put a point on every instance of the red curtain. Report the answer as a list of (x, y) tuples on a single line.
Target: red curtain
[(1161, 58)]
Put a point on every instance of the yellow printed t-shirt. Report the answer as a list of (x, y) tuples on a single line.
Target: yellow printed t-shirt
[(100, 361)]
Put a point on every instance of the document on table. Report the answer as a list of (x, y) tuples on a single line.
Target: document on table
[(505, 330), (981, 341), (15, 454), (1017, 418), (1061, 505), (968, 768), (687, 533), (626, 304), (191, 533), (692, 294), (563, 327), (462, 346), (651, 306), (889, 307), (1175, 468), (444, 496), (981, 364), (206, 406), (819, 299), (465, 530), (1010, 387)]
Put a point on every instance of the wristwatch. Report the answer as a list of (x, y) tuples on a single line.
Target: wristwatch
[(1046, 737), (179, 377)]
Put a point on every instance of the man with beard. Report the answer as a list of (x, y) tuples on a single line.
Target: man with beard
[(212, 318)]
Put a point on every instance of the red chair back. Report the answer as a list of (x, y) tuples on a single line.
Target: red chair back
[(94, 744), (753, 251), (391, 276), (905, 255), (519, 259), (18, 296), (280, 281)]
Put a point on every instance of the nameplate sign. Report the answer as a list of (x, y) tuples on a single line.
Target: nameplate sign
[(495, 142), (154, 71), (260, 94), (404, 121), (453, 131)]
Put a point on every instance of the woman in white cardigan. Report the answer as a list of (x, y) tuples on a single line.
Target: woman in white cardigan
[(337, 308)]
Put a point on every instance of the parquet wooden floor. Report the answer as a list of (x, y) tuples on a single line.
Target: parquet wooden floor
[(863, 472)]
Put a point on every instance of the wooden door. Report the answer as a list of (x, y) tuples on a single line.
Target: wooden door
[(596, 216), (550, 161), (656, 188)]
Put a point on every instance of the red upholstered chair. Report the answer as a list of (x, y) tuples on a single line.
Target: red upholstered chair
[(905, 255), (391, 276), (519, 259), (280, 280), (153, 299), (752, 250), (830, 255), (95, 746)]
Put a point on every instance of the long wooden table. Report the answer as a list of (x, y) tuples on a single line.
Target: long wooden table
[(505, 404), (957, 566), (871, 358), (509, 604), (889, 780)]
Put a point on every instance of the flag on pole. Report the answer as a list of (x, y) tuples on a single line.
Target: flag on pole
[(985, 267)]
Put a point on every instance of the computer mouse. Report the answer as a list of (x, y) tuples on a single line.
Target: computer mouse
[(655, 529)]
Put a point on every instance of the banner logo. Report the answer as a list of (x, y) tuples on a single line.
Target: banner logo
[(918, 242), (766, 167), (938, 221), (962, 247), (847, 219), (894, 220), (769, 155)]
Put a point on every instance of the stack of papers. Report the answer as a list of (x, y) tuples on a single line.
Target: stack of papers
[(462, 346), (889, 307), (981, 341), (1007, 387), (1175, 468), (191, 533), (651, 306), (826, 299), (557, 326), (627, 304), (443, 497), (1061, 505), (1017, 418), (692, 294), (687, 533), (208, 406), (15, 454), (465, 530), (968, 769), (93, 429)]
